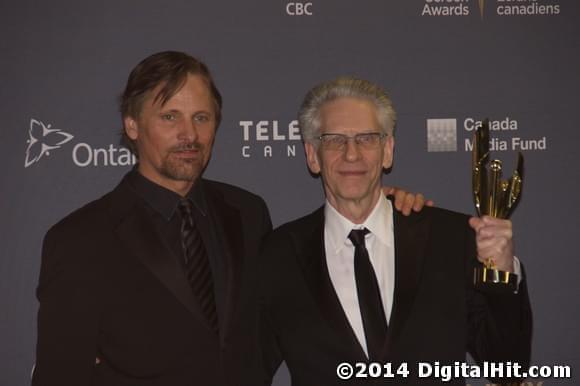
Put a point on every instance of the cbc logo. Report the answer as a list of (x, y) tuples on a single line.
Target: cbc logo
[(299, 9)]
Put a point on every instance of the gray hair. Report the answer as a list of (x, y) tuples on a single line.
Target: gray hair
[(344, 87)]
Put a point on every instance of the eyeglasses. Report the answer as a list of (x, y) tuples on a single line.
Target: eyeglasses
[(364, 140)]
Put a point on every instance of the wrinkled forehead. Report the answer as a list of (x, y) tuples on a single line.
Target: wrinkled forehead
[(348, 115)]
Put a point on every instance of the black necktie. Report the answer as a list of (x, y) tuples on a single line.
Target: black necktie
[(369, 296), (197, 266)]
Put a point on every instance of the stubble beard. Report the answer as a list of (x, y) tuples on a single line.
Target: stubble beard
[(183, 169)]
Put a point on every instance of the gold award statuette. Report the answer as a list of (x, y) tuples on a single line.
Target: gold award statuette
[(493, 197)]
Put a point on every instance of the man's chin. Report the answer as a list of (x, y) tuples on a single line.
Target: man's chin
[(186, 173), (355, 194)]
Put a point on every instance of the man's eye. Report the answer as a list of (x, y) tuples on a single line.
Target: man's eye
[(168, 117), (337, 140), (202, 118)]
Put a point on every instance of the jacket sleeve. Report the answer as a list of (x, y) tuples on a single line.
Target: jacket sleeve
[(67, 318), (499, 325), (269, 354)]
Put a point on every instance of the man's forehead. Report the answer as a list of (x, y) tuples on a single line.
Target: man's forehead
[(162, 94), (349, 113)]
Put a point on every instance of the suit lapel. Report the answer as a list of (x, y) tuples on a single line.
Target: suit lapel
[(137, 233), (411, 236), (228, 228), (313, 263)]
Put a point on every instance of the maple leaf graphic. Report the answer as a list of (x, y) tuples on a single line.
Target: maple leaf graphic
[(41, 140)]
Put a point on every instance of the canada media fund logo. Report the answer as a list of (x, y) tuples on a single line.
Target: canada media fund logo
[(484, 7), (443, 135), (43, 140)]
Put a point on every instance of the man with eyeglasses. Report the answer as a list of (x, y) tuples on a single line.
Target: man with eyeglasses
[(153, 283), (355, 282)]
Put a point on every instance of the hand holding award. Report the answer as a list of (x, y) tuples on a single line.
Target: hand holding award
[(493, 197)]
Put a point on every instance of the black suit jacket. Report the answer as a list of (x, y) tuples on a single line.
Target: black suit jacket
[(436, 315), (109, 288)]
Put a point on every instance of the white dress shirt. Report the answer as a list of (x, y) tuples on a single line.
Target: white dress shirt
[(380, 243)]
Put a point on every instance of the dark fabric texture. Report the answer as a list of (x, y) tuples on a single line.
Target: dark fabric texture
[(111, 287), (437, 314)]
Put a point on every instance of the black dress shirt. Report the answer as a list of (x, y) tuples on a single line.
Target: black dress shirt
[(162, 209)]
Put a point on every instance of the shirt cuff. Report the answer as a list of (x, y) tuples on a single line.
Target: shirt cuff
[(518, 271)]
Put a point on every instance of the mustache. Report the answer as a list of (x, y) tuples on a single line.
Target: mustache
[(186, 146)]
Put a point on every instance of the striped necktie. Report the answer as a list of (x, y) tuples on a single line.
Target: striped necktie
[(197, 266)]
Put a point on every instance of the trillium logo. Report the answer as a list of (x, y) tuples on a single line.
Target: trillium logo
[(41, 140)]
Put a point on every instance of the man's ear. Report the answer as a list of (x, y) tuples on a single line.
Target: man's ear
[(312, 157), (131, 128), (388, 152)]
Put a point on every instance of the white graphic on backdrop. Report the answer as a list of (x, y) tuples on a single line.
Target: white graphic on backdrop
[(267, 138), (526, 8), (499, 7), (445, 8), (442, 135), (299, 9), (42, 139)]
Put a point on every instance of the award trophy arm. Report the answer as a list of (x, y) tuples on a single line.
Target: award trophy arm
[(496, 198)]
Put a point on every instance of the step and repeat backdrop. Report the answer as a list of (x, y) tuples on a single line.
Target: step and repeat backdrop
[(447, 65)]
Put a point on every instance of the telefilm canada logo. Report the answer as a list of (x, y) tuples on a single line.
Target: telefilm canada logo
[(452, 134), (43, 140), (487, 7), (270, 138)]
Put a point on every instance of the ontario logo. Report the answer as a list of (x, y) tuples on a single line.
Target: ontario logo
[(43, 139)]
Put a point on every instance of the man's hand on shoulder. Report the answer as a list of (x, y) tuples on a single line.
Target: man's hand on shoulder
[(405, 201), (493, 237)]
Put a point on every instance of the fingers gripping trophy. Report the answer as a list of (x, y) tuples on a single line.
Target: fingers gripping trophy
[(493, 197)]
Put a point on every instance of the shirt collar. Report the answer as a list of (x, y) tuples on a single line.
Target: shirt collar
[(379, 223), (163, 200)]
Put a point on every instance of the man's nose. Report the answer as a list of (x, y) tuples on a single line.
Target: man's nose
[(188, 131), (351, 150)]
